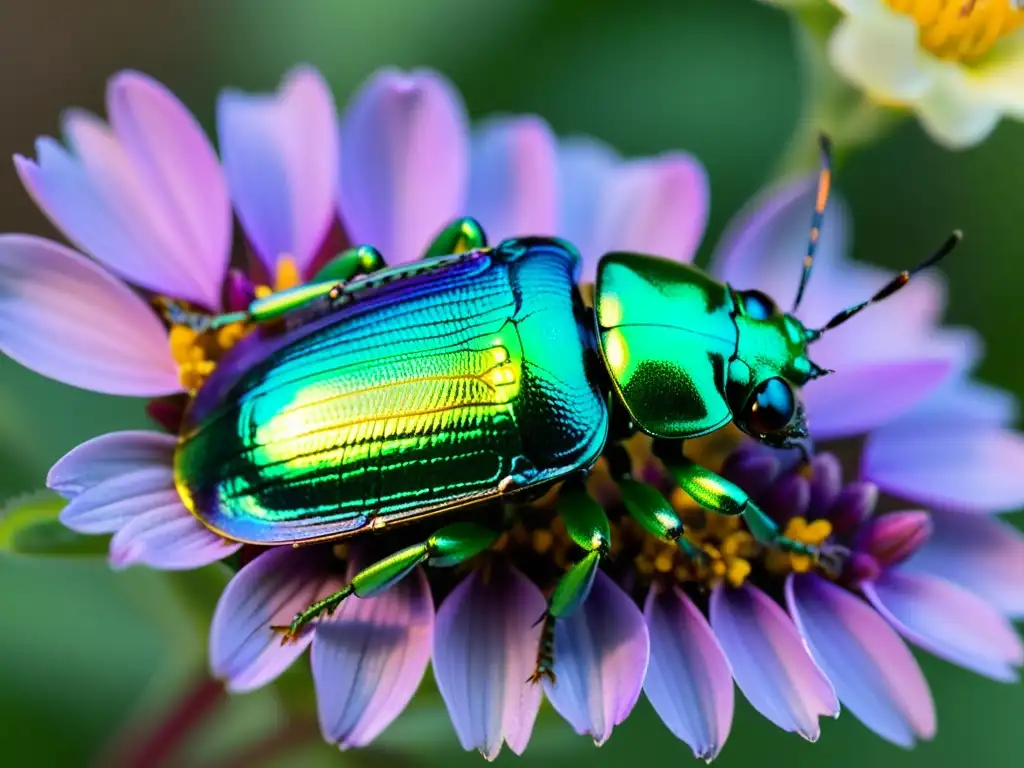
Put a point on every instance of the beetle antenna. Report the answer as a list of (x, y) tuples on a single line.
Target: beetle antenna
[(820, 202), (893, 285)]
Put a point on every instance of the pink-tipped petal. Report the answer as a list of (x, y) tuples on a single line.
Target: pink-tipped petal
[(513, 182), (99, 202), (655, 205), (63, 316), (975, 468), (949, 621), (892, 538), (968, 402), (109, 456), (982, 554), (486, 639), (850, 401), (267, 592), (168, 538), (368, 660), (179, 172), (769, 661), (872, 670), (601, 653), (585, 168), (404, 162), (688, 681), (280, 155)]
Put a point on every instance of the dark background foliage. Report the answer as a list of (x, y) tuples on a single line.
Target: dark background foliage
[(81, 648)]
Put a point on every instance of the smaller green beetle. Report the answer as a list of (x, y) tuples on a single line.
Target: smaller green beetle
[(477, 377)]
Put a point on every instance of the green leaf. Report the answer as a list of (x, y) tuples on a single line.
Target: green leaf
[(30, 526)]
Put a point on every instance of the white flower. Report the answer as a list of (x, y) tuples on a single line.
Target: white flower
[(958, 64)]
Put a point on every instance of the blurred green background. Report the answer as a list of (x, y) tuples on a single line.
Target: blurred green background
[(82, 649)]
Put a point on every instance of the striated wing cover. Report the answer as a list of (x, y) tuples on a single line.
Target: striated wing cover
[(421, 393)]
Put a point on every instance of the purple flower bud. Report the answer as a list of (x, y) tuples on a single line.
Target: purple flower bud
[(893, 538)]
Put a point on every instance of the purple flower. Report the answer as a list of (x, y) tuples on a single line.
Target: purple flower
[(149, 206)]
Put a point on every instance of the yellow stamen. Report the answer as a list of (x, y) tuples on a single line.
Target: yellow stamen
[(813, 534), (961, 30), (287, 274), (197, 353), (543, 539)]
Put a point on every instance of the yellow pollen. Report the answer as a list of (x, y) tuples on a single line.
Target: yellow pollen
[(287, 274), (961, 30), (197, 353), (543, 539), (813, 533)]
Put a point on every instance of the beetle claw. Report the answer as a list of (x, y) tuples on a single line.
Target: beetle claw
[(288, 632)]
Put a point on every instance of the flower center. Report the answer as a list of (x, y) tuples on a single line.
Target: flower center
[(730, 552), (197, 352), (961, 30)]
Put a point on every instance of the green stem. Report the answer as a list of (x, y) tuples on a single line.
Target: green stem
[(830, 104)]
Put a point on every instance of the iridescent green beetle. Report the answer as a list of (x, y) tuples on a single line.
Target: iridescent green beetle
[(477, 376)]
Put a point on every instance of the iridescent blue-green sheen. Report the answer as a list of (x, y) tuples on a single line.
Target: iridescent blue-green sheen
[(427, 388)]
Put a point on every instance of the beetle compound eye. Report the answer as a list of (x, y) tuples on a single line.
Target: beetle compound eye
[(771, 407), (757, 305)]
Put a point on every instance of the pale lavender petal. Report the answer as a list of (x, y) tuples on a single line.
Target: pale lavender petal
[(179, 170), (404, 162), (109, 456), (949, 621), (977, 468), (763, 246), (769, 661), (968, 402), (982, 554), (585, 167), (892, 538), (601, 653), (369, 658), (872, 670), (280, 155), (267, 592), (486, 639), (689, 681), (99, 202), (63, 316), (513, 184), (109, 506), (657, 206), (852, 401), (169, 538)]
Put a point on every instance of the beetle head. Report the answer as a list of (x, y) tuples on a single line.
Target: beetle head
[(771, 362), (769, 368)]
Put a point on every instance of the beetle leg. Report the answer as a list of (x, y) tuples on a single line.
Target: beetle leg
[(342, 268), (362, 260), (450, 546), (648, 507), (460, 236), (587, 525), (713, 492)]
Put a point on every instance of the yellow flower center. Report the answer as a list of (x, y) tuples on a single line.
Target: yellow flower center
[(198, 352), (961, 30), (798, 529)]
